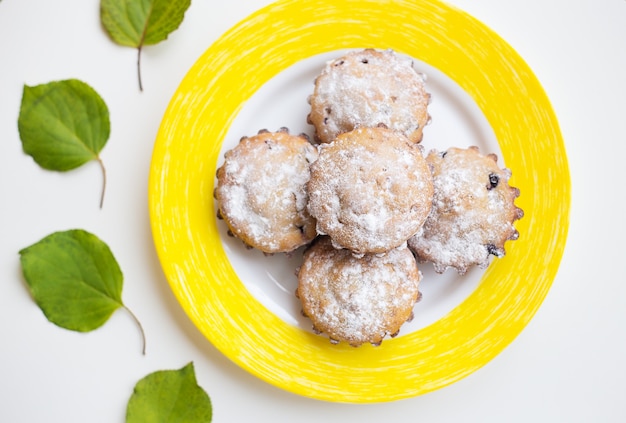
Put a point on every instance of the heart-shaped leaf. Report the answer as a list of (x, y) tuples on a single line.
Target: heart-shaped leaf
[(75, 280), (169, 396), (136, 23), (63, 125)]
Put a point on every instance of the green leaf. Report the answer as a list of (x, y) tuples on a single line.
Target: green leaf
[(135, 23), (63, 125), (75, 280), (169, 396)]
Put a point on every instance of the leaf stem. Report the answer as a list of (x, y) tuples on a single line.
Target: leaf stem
[(143, 334), (104, 180), (139, 67)]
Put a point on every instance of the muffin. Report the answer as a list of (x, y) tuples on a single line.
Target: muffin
[(473, 211), (366, 88), (357, 299), (261, 191), (370, 190)]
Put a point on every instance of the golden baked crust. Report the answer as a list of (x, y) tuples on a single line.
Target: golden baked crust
[(473, 211), (357, 300), (367, 88), (261, 191), (370, 190)]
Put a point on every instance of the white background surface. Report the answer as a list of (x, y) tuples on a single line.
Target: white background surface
[(568, 365)]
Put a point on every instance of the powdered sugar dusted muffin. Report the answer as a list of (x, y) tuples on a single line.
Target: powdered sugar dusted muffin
[(357, 300), (261, 191), (370, 190), (367, 88), (473, 211)]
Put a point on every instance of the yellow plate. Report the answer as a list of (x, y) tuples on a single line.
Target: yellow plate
[(186, 234)]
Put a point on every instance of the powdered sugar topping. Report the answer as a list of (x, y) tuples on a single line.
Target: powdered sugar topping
[(358, 299), (368, 88), (470, 220), (262, 188), (370, 190)]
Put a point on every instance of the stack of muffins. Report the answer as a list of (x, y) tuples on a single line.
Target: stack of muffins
[(364, 199)]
